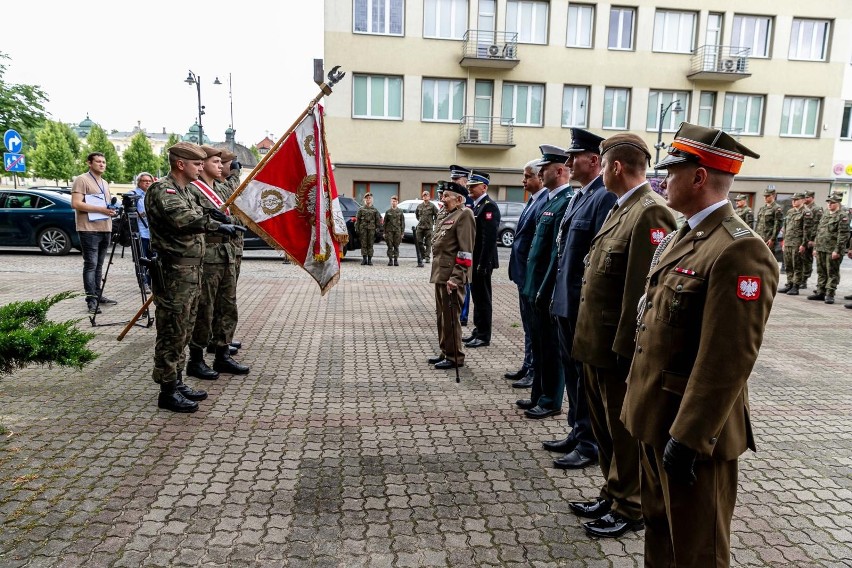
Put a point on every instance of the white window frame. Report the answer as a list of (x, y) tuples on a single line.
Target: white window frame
[(733, 101), (583, 22), (369, 6), (740, 40), (516, 26), (387, 79), (799, 109), (798, 42), (672, 121), (705, 108), (576, 99), (846, 125), (611, 122), (663, 20), (525, 120), (458, 29), (620, 11), (434, 85)]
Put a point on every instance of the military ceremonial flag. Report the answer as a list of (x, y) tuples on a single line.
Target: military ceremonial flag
[(291, 202)]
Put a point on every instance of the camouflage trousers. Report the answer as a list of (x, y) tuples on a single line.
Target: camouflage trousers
[(828, 273), (174, 318), (368, 238), (808, 261), (217, 306), (393, 240), (794, 265), (423, 241)]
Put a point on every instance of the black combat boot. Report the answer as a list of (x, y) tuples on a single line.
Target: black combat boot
[(197, 367), (396, 262), (236, 344), (363, 261), (369, 261), (793, 291), (390, 262), (188, 392), (817, 296), (171, 399), (212, 349), (224, 363), (829, 298), (785, 289)]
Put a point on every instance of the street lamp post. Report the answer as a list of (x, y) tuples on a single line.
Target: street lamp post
[(193, 79), (231, 100), (663, 112)]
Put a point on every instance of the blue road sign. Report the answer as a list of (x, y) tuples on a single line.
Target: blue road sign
[(14, 162), (13, 141)]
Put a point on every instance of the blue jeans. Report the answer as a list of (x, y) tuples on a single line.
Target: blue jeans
[(94, 245), (466, 302)]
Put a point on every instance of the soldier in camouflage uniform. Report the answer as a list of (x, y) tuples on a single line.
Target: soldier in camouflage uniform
[(743, 211), (219, 282), (770, 218), (797, 224), (426, 214), (367, 221), (810, 239), (394, 227), (230, 177), (832, 236), (178, 225)]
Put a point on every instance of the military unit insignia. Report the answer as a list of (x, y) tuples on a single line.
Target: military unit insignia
[(748, 287), (657, 235), (271, 201), (171, 191)]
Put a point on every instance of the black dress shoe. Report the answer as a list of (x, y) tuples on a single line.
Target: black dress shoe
[(524, 403), (470, 337), (591, 509), (435, 360), (477, 343), (562, 446), (524, 383), (519, 374), (539, 412), (612, 525), (574, 460), (447, 364)]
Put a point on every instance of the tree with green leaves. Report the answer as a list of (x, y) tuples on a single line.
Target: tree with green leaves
[(97, 141), (164, 154), (21, 106), (52, 157), (139, 156)]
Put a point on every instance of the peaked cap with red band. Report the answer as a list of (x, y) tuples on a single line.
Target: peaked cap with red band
[(710, 147)]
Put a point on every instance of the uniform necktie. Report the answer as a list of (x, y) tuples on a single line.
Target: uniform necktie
[(682, 232), (611, 212)]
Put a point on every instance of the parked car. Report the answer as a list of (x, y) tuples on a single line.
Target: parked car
[(38, 218), (59, 188), (510, 212), (409, 206)]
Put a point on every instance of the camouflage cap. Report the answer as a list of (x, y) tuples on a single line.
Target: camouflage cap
[(810, 193), (798, 195), (742, 197), (768, 191), (835, 198), (227, 155), (187, 151), (211, 151)]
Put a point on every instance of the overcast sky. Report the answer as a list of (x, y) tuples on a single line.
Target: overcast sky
[(125, 63)]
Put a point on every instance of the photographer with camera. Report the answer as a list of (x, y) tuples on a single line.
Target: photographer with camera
[(143, 182)]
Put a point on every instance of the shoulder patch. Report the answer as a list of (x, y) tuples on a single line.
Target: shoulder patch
[(647, 202), (736, 228)]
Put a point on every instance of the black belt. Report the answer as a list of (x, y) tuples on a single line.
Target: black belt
[(217, 239), (181, 260)]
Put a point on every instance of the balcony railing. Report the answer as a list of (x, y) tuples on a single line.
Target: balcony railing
[(486, 48), (486, 132), (719, 63)]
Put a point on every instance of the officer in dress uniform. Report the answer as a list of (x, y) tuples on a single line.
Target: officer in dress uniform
[(708, 294), (485, 259), (452, 255), (743, 211), (460, 175)]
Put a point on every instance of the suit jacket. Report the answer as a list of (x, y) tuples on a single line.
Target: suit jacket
[(452, 248), (487, 220), (523, 240), (543, 246), (614, 278), (576, 232), (708, 300)]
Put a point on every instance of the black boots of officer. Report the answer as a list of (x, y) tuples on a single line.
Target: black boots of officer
[(224, 364), (197, 367)]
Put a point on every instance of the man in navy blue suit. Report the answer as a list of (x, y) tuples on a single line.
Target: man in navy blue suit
[(518, 266), (485, 258)]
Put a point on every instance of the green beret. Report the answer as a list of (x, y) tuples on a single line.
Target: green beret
[(187, 151)]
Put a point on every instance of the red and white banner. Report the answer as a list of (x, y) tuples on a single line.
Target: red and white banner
[(291, 202)]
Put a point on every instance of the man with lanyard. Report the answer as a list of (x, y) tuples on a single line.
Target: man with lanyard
[(91, 200), (143, 182)]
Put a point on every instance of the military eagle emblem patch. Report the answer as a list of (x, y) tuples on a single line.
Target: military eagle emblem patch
[(657, 235), (748, 287)]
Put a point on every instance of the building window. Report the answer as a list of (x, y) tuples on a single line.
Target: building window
[(752, 33), (429, 188), (616, 107), (379, 16), (743, 114), (621, 28), (799, 117), (517, 194), (523, 103), (527, 18), (846, 127), (377, 96), (575, 106), (382, 192), (706, 108), (672, 121), (444, 19), (674, 31), (581, 20), (809, 40), (443, 100)]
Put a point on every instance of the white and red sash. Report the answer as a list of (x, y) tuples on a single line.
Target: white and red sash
[(211, 195)]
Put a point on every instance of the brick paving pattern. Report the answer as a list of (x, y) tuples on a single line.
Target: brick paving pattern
[(342, 447)]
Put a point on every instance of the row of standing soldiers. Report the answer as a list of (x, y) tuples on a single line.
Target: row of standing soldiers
[(368, 220)]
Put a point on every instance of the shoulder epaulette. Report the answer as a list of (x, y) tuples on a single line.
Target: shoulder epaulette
[(736, 228), (648, 201)]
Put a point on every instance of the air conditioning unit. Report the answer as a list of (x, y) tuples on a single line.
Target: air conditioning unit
[(472, 135), (494, 50), (727, 64)]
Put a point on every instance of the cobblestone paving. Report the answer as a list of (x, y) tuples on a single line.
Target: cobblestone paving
[(343, 448)]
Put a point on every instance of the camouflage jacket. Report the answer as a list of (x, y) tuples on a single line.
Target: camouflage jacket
[(797, 224), (177, 221), (770, 218), (229, 185), (747, 215), (833, 232), (394, 221), (818, 212), (219, 249), (426, 214), (367, 219)]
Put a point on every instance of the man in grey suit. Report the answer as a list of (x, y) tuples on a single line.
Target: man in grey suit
[(518, 266)]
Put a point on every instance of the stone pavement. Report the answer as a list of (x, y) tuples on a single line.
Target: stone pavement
[(343, 448)]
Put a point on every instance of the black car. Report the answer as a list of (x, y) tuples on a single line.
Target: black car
[(38, 218), (510, 212)]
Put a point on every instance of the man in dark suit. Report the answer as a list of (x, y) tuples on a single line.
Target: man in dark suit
[(518, 266), (582, 219), (484, 258)]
